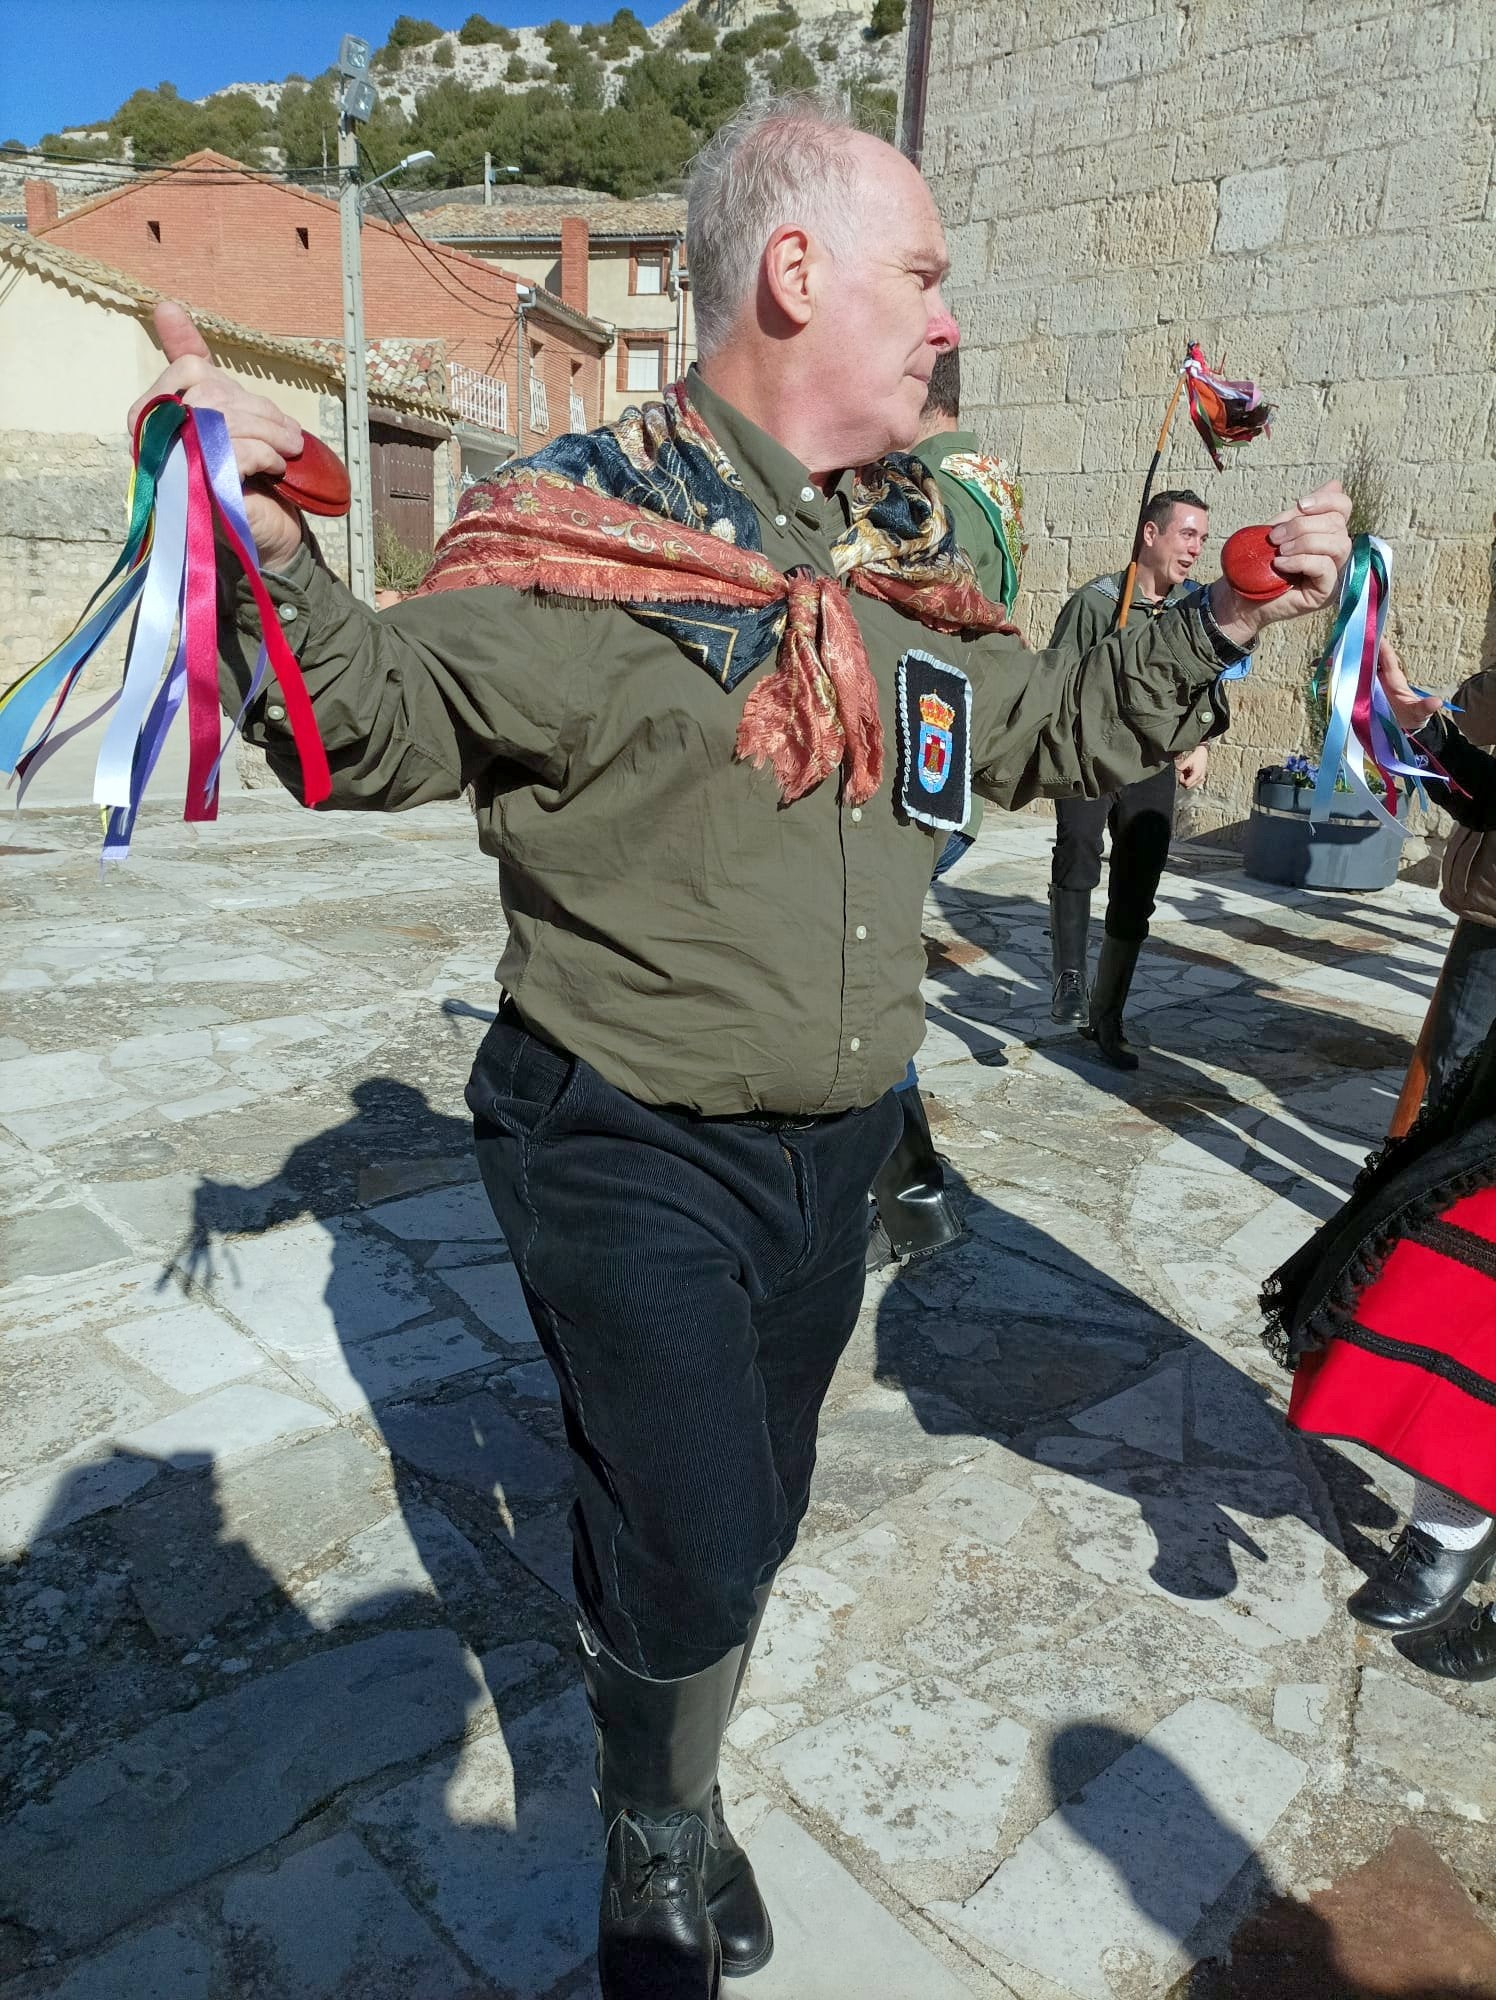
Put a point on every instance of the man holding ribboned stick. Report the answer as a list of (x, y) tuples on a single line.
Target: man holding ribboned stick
[(718, 697)]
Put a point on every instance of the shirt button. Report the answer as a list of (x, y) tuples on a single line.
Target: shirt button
[(275, 713), (288, 614), (855, 1044), (807, 493), (857, 812), (780, 520), (861, 931)]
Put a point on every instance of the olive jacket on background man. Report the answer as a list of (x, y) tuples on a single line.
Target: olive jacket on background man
[(671, 921)]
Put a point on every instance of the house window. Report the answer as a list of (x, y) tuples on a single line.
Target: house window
[(304, 238), (540, 409), (649, 276), (153, 230), (645, 365)]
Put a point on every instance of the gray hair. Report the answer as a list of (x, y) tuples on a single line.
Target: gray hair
[(787, 161)]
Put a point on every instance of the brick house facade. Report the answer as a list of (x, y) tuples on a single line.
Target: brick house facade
[(266, 253)]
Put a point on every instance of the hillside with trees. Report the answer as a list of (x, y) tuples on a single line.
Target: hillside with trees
[(609, 105)]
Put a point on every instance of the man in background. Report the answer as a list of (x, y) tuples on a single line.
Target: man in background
[(984, 502), (1140, 816)]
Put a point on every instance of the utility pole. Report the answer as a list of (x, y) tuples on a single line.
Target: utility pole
[(355, 106), (524, 297), (355, 371)]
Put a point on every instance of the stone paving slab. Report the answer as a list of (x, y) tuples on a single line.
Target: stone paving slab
[(195, 1792), (286, 1702)]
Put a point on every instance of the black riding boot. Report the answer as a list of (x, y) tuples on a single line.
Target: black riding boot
[(1069, 937), (733, 1900), (914, 1212), (657, 1748), (1119, 957)]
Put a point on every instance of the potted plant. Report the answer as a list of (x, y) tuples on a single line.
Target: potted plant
[(1352, 849)]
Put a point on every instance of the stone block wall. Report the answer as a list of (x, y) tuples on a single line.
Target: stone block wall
[(1305, 187)]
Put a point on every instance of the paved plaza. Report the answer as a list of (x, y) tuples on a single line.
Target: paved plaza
[(1056, 1699)]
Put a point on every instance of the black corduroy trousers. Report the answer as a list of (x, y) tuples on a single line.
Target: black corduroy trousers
[(693, 1282)]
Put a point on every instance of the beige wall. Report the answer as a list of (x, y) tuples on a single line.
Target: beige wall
[(1305, 187), (70, 368)]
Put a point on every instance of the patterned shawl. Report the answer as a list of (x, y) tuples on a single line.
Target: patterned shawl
[(648, 513)]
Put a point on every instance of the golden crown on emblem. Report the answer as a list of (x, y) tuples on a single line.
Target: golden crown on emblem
[(939, 714)]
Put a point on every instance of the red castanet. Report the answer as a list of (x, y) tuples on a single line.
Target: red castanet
[(317, 481), (1247, 565)]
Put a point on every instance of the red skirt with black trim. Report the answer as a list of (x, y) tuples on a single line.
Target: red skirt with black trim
[(1413, 1375)]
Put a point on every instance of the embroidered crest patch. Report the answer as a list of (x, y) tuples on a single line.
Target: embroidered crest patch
[(934, 742)]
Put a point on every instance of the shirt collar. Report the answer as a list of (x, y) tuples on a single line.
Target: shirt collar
[(773, 478), (931, 450)]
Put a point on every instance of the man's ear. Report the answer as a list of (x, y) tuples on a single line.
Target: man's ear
[(787, 273)]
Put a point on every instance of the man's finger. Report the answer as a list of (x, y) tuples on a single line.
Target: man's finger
[(176, 332)]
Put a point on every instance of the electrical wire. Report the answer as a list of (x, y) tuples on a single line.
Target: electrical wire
[(432, 261), (139, 167)]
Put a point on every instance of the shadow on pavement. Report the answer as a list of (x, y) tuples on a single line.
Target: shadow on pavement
[(1011, 1336), (228, 1704)]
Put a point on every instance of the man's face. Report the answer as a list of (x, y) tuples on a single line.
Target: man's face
[(879, 318), (1175, 545)]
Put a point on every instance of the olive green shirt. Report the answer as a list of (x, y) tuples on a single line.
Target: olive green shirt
[(670, 919), (973, 529)]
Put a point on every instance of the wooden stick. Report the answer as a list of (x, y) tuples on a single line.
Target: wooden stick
[(1130, 582), (1415, 1083)]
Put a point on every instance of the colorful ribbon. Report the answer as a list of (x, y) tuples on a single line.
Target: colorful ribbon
[(1223, 412), (184, 486), (1361, 728)]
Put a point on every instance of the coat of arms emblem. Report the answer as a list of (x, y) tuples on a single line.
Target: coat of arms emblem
[(933, 759)]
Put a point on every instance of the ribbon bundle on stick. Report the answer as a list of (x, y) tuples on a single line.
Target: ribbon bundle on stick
[(1361, 728), (1223, 412), (184, 487)]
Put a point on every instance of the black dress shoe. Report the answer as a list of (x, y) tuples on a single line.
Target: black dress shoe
[(1457, 1652), (1419, 1583)]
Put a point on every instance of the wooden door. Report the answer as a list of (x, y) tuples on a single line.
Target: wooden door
[(402, 469)]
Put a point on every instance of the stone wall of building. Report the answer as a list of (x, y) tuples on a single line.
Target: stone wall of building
[(1305, 187)]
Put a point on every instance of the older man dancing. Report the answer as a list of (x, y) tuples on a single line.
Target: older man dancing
[(720, 699)]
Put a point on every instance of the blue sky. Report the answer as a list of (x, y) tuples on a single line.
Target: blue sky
[(79, 59)]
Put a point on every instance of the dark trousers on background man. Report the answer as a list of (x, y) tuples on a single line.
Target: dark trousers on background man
[(1141, 820)]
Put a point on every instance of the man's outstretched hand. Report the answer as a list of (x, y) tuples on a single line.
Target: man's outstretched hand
[(1311, 545), (264, 437), (1411, 710)]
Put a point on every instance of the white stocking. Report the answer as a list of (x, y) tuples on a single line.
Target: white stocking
[(1454, 1524)]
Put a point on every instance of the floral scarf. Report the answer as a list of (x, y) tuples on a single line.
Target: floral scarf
[(649, 513)]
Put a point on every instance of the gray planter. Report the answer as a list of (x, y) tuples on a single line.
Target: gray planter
[(1350, 850)]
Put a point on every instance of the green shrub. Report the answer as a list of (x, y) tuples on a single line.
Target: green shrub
[(793, 70), (826, 50), (693, 37), (874, 109), (397, 567), (476, 31), (888, 18), (442, 55), (516, 69), (409, 33)]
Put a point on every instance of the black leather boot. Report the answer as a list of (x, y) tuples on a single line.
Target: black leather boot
[(1457, 1652), (733, 1900), (657, 1748), (1119, 958), (1069, 939), (913, 1210), (1418, 1584)]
